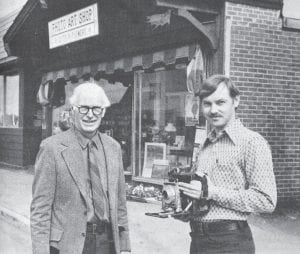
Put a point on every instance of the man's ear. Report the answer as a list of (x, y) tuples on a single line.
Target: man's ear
[(103, 112), (72, 114), (236, 101)]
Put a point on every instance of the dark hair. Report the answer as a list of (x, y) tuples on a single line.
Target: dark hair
[(211, 84)]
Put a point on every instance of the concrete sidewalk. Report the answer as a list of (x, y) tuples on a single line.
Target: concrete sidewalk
[(276, 233)]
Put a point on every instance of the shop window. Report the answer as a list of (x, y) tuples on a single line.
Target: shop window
[(9, 101), (166, 116), (118, 118)]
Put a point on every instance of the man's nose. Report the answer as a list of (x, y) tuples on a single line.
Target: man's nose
[(213, 108), (90, 113)]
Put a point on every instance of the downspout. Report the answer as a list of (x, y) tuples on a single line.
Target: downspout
[(227, 43)]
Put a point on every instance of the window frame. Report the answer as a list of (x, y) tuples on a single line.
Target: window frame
[(137, 147), (4, 103)]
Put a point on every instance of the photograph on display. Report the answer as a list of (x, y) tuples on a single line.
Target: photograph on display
[(160, 169), (192, 104), (153, 151)]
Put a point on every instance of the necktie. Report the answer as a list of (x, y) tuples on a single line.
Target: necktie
[(98, 194)]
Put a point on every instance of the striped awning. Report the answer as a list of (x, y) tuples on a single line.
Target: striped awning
[(147, 62)]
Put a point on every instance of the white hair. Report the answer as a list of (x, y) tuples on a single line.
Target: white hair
[(92, 88)]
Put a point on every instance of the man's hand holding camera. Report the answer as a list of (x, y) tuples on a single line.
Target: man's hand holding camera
[(198, 189), (192, 189)]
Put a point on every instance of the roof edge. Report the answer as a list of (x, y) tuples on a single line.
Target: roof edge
[(9, 63), (19, 20)]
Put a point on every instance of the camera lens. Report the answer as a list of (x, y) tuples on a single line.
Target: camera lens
[(169, 193), (165, 194)]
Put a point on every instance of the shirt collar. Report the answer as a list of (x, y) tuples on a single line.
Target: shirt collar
[(232, 130), (83, 141)]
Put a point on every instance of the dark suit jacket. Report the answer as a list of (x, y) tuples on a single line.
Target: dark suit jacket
[(58, 208)]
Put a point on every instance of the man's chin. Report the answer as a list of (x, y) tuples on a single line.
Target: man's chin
[(89, 129), (217, 124)]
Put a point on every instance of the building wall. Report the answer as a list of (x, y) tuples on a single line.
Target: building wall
[(11, 139), (265, 64), (11, 146)]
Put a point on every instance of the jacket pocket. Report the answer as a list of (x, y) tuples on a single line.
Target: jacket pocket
[(55, 234)]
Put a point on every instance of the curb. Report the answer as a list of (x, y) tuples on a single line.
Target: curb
[(17, 220)]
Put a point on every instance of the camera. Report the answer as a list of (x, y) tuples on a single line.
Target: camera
[(175, 202)]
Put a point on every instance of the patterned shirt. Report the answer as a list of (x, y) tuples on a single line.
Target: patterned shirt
[(239, 164)]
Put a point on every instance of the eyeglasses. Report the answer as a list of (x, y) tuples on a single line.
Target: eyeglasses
[(97, 111)]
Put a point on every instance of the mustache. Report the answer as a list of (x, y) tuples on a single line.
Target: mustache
[(214, 115)]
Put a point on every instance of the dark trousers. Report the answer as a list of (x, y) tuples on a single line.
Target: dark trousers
[(96, 243), (221, 237)]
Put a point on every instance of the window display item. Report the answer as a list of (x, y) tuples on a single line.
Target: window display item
[(195, 72), (170, 130), (192, 104), (160, 169), (153, 151), (58, 94), (44, 91), (179, 142)]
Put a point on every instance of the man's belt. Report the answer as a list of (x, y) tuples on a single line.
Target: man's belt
[(98, 228), (214, 227)]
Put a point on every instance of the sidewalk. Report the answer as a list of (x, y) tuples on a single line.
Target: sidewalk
[(276, 233)]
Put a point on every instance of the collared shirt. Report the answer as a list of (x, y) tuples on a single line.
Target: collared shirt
[(239, 164), (100, 160)]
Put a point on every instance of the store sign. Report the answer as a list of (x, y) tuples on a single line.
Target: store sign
[(73, 27)]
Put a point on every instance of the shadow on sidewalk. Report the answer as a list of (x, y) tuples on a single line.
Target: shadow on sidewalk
[(13, 168)]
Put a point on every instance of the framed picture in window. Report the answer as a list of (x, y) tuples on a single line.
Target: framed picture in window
[(153, 151), (192, 107), (160, 169)]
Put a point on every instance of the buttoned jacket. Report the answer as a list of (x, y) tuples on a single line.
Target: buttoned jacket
[(58, 208)]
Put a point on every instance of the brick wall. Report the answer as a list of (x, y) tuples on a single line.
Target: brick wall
[(265, 64)]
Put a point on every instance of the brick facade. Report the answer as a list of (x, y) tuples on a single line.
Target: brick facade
[(265, 64)]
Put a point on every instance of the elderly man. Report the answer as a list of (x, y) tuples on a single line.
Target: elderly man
[(237, 165), (79, 203)]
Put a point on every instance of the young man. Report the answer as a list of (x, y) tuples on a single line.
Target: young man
[(238, 166), (79, 203)]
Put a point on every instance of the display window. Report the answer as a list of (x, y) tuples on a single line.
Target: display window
[(165, 118), (9, 101), (153, 112)]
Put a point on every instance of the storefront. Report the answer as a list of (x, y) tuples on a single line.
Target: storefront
[(150, 72), (150, 99), (143, 53)]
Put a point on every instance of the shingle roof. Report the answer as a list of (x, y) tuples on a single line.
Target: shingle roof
[(5, 23)]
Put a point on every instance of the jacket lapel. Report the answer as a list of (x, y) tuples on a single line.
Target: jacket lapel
[(72, 155)]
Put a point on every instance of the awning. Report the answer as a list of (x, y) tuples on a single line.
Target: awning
[(147, 62), (51, 89), (114, 92)]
